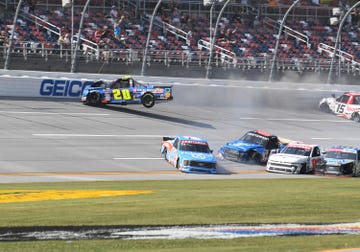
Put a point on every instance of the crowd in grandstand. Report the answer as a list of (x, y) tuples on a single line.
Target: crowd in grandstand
[(245, 31)]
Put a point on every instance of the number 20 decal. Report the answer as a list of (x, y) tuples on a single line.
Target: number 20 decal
[(340, 108), (123, 94)]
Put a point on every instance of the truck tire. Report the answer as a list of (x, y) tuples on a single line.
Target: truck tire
[(165, 153), (356, 117), (256, 157), (93, 98), (324, 107), (148, 100), (303, 169)]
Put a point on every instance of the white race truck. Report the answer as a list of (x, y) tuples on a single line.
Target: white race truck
[(297, 158), (342, 160)]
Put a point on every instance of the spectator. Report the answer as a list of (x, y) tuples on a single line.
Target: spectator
[(117, 27), (4, 40), (106, 34), (114, 14), (26, 7), (103, 36), (356, 17), (175, 18), (32, 5), (315, 2), (64, 39), (98, 34), (256, 22), (226, 35), (273, 2)]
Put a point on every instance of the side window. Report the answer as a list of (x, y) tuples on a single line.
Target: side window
[(316, 152), (344, 99), (339, 98), (356, 100), (273, 143), (176, 143), (358, 155), (115, 84), (124, 84)]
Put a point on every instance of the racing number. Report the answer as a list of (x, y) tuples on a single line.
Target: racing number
[(123, 94), (340, 108)]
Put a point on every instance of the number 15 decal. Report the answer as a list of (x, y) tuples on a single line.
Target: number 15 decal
[(340, 108), (123, 94)]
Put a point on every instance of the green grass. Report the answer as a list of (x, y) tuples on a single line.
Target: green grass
[(277, 244), (323, 200)]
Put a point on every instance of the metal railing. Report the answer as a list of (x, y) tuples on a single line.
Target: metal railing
[(288, 31), (53, 29), (170, 28), (300, 12), (344, 56), (225, 55), (88, 46), (167, 58), (197, 8)]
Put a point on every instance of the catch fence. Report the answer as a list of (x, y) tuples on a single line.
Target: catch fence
[(185, 58)]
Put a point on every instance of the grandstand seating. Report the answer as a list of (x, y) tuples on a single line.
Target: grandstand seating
[(248, 41)]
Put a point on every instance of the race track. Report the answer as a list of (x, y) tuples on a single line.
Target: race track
[(63, 140)]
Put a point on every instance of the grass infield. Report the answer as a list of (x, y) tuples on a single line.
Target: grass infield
[(308, 201)]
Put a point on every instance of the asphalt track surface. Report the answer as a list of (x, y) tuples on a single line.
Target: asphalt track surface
[(64, 140)]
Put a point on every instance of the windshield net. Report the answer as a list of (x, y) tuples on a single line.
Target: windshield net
[(255, 139), (296, 151), (195, 147), (340, 155)]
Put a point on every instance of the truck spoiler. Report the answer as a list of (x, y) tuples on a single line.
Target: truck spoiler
[(168, 138), (158, 86), (285, 141)]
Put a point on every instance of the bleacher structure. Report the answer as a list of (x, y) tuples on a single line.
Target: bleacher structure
[(306, 45)]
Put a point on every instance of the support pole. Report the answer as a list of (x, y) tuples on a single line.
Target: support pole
[(213, 37), (148, 38), (8, 51), (73, 62), (72, 30), (210, 41), (338, 39), (278, 38)]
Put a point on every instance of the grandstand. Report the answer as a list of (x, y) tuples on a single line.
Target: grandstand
[(245, 41)]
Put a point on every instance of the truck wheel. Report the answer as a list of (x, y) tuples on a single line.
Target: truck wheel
[(148, 100), (353, 174), (164, 153), (324, 107), (93, 98), (303, 169), (256, 157), (356, 117)]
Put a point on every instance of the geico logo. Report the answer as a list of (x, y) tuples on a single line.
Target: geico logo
[(72, 88)]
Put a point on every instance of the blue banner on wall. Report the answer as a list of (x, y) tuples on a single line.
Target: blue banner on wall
[(63, 88)]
